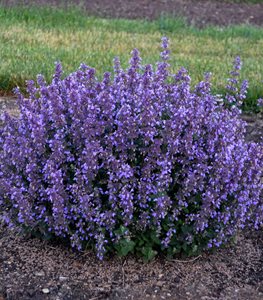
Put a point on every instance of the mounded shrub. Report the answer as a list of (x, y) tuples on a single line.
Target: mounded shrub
[(138, 162)]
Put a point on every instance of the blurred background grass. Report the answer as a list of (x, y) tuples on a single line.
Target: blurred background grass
[(33, 38)]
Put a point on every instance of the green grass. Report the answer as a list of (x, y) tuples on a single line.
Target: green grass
[(32, 39)]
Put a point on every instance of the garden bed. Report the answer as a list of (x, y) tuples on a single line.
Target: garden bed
[(34, 269), (29, 268)]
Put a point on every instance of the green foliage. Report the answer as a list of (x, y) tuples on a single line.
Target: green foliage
[(148, 244), (124, 246)]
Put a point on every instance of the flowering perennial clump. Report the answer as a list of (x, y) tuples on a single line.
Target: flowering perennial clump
[(137, 162)]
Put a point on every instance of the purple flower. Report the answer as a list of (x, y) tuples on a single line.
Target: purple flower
[(260, 102), (139, 150)]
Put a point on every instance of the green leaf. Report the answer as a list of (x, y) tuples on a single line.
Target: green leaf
[(155, 238), (187, 229), (124, 247), (148, 253), (185, 247), (140, 242), (121, 230), (194, 249)]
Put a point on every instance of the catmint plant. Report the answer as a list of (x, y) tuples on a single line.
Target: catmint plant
[(138, 162)]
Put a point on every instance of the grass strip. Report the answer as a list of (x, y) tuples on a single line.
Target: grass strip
[(32, 39)]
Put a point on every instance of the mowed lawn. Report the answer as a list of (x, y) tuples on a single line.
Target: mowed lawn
[(32, 39)]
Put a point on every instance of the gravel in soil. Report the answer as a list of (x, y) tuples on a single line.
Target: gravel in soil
[(34, 269), (198, 13)]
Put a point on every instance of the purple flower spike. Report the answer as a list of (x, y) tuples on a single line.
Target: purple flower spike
[(136, 162)]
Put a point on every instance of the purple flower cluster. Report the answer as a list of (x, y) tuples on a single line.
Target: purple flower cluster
[(140, 150)]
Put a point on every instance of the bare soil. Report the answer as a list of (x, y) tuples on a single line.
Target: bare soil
[(34, 269), (199, 13)]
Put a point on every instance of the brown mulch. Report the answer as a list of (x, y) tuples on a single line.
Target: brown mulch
[(198, 13), (34, 269)]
